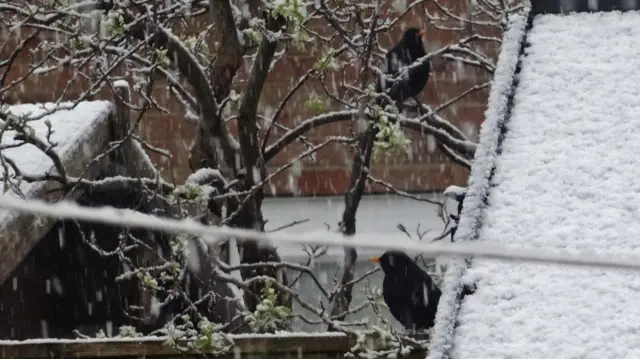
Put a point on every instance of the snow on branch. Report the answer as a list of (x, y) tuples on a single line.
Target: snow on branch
[(219, 75)]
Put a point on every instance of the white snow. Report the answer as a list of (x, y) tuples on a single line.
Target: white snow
[(109, 328), (376, 214), (277, 334), (234, 261), (57, 285), (202, 175), (156, 306), (566, 179), (192, 255), (478, 184), (70, 128), (145, 157), (121, 84), (454, 191), (44, 327), (425, 295), (61, 236), (240, 36)]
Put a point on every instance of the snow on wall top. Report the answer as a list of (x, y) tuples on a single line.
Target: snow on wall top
[(143, 339), (566, 178), (69, 128), (485, 156), (376, 214)]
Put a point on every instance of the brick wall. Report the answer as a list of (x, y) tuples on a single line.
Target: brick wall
[(426, 169)]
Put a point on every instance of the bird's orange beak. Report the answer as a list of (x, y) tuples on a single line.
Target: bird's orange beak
[(374, 259), (421, 33)]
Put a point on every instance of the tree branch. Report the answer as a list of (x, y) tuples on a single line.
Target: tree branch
[(359, 172), (307, 125)]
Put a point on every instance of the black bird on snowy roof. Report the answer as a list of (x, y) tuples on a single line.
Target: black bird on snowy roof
[(403, 54), (410, 293)]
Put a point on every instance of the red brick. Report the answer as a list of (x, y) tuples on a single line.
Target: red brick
[(334, 154), (297, 109), (310, 181), (286, 154), (453, 71), (32, 90), (275, 134), (324, 181), (341, 128), (421, 177), (465, 113), (173, 134), (290, 65), (425, 169)]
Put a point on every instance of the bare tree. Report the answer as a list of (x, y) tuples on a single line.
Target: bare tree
[(145, 42)]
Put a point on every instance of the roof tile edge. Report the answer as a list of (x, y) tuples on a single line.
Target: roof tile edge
[(497, 113)]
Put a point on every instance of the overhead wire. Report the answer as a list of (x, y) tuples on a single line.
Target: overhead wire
[(213, 234)]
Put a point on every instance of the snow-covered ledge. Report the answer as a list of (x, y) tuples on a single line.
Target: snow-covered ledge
[(278, 345), (376, 214), (497, 113), (82, 131)]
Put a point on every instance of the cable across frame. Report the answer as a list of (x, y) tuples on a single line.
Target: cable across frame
[(213, 234)]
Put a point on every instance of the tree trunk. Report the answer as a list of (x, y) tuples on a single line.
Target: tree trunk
[(360, 169)]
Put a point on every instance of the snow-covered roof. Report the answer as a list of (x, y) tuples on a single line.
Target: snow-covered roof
[(81, 133), (569, 6), (71, 130), (478, 184), (563, 178)]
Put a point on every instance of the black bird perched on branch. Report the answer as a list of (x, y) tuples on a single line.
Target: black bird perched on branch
[(410, 293), (410, 83)]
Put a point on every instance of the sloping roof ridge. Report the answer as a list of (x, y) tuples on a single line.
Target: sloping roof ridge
[(491, 133)]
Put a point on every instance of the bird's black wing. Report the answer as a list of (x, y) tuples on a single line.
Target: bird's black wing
[(425, 295), (430, 286), (431, 289), (397, 58), (417, 79), (420, 294), (410, 82), (397, 303)]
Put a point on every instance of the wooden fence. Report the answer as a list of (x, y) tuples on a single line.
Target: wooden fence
[(295, 345)]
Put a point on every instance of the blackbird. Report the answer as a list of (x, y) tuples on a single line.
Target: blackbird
[(410, 293), (403, 54)]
